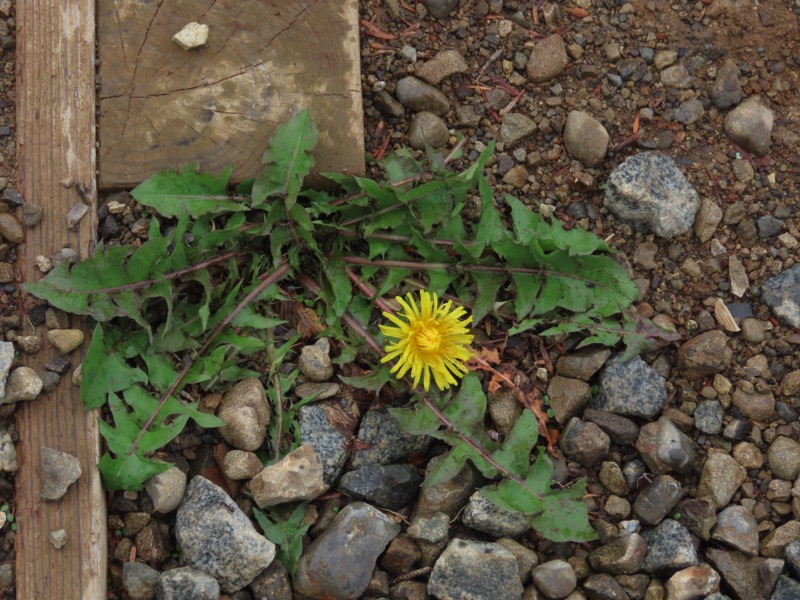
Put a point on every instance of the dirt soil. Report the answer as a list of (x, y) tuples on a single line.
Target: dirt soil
[(680, 278)]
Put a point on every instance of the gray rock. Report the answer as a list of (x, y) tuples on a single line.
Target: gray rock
[(166, 489), (692, 582), (673, 447), (784, 458), (318, 390), (780, 294), (555, 578), (585, 138), (432, 529), (775, 543), (216, 537), (417, 95), (669, 548), (8, 452), (444, 64), (185, 582), (315, 361), (386, 103), (631, 388), (516, 127), (6, 360), (568, 397), (297, 476), (547, 59), (676, 76), (449, 496), (623, 556), (427, 130), (664, 59), (726, 90), (58, 538), (238, 465), (483, 515), (621, 430), (613, 479), (786, 589), (65, 256), (23, 384), (59, 470), (648, 188), (737, 527), (750, 126), (657, 499), (330, 443), (272, 583), (792, 555), (704, 354), (721, 477), (440, 8), (382, 441), (603, 586), (689, 111), (246, 413), (11, 229), (739, 572), (31, 214), (768, 226), (49, 380), (584, 442), (504, 409), (340, 564), (582, 364), (708, 417), (526, 558), (386, 486), (753, 331), (139, 580), (469, 569)]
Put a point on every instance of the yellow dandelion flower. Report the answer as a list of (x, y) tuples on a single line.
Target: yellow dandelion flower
[(431, 338)]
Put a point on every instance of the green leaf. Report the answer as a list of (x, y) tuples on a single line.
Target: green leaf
[(286, 530), (287, 160), (372, 381), (128, 472), (515, 451), (487, 285), (339, 284), (170, 192), (104, 371)]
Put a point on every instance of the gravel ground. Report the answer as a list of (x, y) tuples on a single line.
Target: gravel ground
[(692, 452)]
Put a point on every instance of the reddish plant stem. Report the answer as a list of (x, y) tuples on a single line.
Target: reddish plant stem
[(174, 275), (365, 289), (279, 272)]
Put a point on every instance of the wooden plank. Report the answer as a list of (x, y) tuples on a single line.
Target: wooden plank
[(56, 145), (162, 107)]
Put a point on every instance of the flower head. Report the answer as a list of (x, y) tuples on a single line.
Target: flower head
[(431, 338)]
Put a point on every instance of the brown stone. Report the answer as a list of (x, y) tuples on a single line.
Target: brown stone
[(758, 407), (705, 354)]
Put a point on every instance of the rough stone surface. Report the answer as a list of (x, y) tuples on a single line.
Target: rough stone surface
[(585, 138), (11, 229), (65, 340), (721, 477), (386, 486), (186, 582), (704, 354), (621, 430), (216, 537), (737, 527), (193, 35), (516, 127), (23, 384), (584, 442), (166, 489), (450, 496), (6, 360), (272, 583), (329, 441), (780, 294), (427, 130), (8, 452), (58, 538), (239, 464), (444, 64), (786, 589), (568, 397), (469, 569), (315, 361), (440, 8), (673, 447), (775, 543), (739, 572), (692, 582), (758, 407), (623, 556), (708, 417), (554, 579), (726, 91), (485, 516), (669, 547), (341, 560), (657, 499), (707, 220), (582, 364), (784, 458), (547, 59), (59, 470), (648, 188), (630, 388), (417, 95), (603, 586), (297, 476), (139, 580), (382, 441), (750, 126), (246, 413)]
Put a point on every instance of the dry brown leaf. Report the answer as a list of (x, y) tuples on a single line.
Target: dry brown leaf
[(578, 13), (724, 316)]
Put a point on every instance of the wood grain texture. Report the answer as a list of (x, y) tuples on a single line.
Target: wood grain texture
[(56, 145), (162, 107)]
